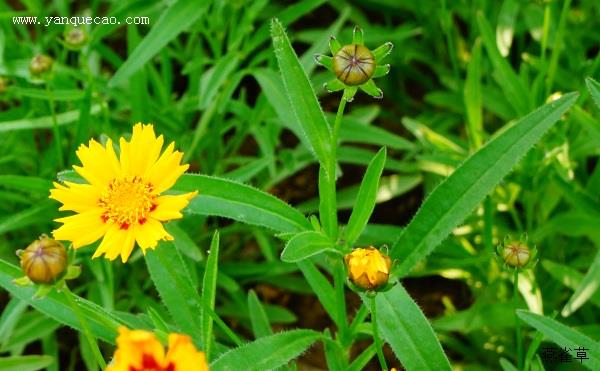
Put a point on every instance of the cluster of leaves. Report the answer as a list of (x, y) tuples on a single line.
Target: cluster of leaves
[(224, 82)]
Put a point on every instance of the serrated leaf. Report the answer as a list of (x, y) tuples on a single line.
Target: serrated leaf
[(301, 95), (406, 329), (267, 352), (174, 284), (454, 199), (241, 202)]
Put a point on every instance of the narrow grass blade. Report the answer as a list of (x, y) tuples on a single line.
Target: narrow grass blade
[(454, 199), (585, 290), (174, 284), (45, 122), (405, 328), (507, 78), (267, 352), (304, 245), (25, 363), (564, 336), (366, 198), (258, 317), (175, 19), (301, 95), (209, 290), (473, 98), (321, 287), (230, 199)]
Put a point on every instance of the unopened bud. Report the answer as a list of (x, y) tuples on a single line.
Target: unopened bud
[(75, 38), (353, 64), (368, 268), (44, 260), (40, 65)]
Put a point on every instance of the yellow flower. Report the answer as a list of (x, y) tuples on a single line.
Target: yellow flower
[(122, 200), (139, 350), (368, 268)]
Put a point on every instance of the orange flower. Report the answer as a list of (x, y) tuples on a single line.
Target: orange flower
[(368, 268), (139, 350), (122, 200)]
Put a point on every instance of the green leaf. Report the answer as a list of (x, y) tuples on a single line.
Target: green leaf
[(267, 352), (304, 245), (174, 20), (586, 288), (25, 363), (29, 183), (321, 287), (174, 284), (258, 317), (508, 80), (454, 199), (39, 213), (564, 336), (230, 199), (594, 88), (569, 277), (301, 95), (405, 328), (365, 200), (209, 290), (214, 78), (472, 97), (45, 122), (102, 323)]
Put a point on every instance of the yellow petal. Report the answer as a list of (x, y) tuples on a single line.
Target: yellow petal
[(76, 228), (170, 206), (99, 164), (116, 242), (142, 151), (183, 354), (148, 234), (76, 197), (167, 169)]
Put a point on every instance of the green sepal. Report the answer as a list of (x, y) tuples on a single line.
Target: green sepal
[(73, 271), (42, 291), (325, 61), (349, 93), (371, 293), (382, 51), (371, 88), (334, 45), (357, 36), (334, 85), (381, 71), (22, 281)]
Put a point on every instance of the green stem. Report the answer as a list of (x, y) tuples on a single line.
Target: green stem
[(376, 337), (338, 282), (55, 129), (84, 326), (517, 322), (329, 189)]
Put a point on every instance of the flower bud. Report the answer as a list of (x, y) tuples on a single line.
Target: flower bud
[(516, 254), (368, 268), (44, 260), (353, 64), (40, 64), (75, 38)]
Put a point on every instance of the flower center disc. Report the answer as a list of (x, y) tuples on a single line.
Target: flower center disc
[(127, 201)]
